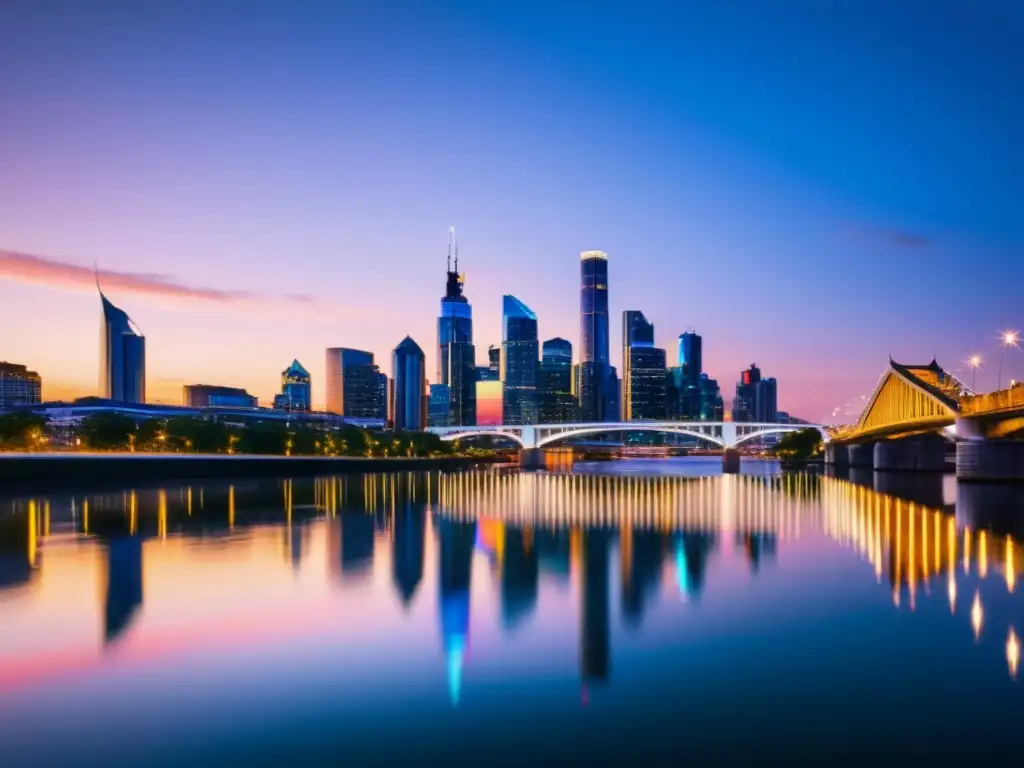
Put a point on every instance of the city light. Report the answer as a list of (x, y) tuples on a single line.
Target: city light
[(975, 362), (1009, 339), (1013, 653)]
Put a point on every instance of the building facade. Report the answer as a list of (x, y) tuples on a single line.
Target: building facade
[(19, 386), (519, 362), (122, 356), (556, 403), (296, 389), (456, 355), (593, 380), (211, 396), (643, 370), (439, 406), (756, 397), (355, 386), (409, 404)]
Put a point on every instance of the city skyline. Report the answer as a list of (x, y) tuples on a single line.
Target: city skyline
[(770, 221)]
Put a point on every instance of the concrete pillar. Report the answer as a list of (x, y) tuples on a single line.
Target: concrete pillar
[(861, 455), (990, 461), (991, 506), (730, 461), (531, 458), (837, 454), (923, 453)]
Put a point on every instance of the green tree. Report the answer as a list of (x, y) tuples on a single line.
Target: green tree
[(305, 441), (21, 431), (799, 446), (106, 431), (268, 438), (151, 435)]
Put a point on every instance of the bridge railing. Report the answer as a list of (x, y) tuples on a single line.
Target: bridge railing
[(1005, 400)]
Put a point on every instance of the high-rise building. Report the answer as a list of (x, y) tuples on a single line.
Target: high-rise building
[(643, 370), (494, 360), (409, 368), (744, 403), (592, 378), (456, 355), (439, 406), (519, 362), (691, 355), (683, 396), (122, 356), (356, 389), (207, 395), (19, 386), (296, 389), (766, 401), (555, 401), (712, 408)]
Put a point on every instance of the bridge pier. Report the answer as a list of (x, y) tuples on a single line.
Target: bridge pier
[(922, 453), (531, 459), (1000, 461), (837, 455), (730, 461), (861, 455)]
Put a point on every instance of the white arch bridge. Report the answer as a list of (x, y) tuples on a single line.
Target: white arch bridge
[(723, 434)]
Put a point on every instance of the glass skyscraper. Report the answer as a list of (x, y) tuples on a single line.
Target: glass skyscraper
[(685, 393), (556, 403), (19, 386), (643, 370), (356, 388), (296, 389), (122, 356), (456, 356), (593, 383), (519, 362), (691, 355), (439, 406), (409, 369)]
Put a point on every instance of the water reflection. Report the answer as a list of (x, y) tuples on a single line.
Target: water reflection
[(620, 548)]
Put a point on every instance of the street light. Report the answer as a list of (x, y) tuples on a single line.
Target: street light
[(1010, 339), (974, 361)]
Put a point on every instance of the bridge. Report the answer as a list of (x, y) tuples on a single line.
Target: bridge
[(918, 412), (533, 438)]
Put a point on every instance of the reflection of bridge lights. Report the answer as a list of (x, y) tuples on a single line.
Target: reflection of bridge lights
[(967, 550), (1011, 572), (982, 555), (951, 591), (976, 615), (1012, 653)]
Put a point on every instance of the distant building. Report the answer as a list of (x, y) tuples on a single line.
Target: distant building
[(643, 370), (555, 401), (519, 362), (456, 355), (439, 406), (409, 368), (122, 356), (19, 386), (296, 389), (766, 401), (592, 378), (489, 403), (756, 398), (209, 396), (356, 389), (691, 358)]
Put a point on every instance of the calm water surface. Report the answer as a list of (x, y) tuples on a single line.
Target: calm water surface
[(640, 610)]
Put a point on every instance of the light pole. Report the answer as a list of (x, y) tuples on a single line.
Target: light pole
[(974, 361), (1009, 340)]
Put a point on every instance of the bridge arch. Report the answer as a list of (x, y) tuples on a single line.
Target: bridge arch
[(638, 427), (470, 432), (781, 429)]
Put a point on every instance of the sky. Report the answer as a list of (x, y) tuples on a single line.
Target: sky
[(811, 186)]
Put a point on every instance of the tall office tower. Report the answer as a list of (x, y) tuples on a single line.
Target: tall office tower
[(684, 387), (643, 370), (556, 403), (712, 408), (409, 368), (519, 362), (456, 356), (354, 384), (439, 406), (744, 403), (122, 356), (592, 380), (691, 355), (766, 401), (19, 386), (296, 389)]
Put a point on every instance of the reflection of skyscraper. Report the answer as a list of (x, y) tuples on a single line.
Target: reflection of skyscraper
[(640, 553), (456, 355), (456, 566), (356, 553), (554, 552), (519, 362), (757, 546), (691, 552), (595, 641), (407, 549), (122, 356), (124, 584), (519, 577)]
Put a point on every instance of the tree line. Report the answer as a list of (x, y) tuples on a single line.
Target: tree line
[(108, 431)]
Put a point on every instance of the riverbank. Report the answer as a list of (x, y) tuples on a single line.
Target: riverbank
[(57, 470)]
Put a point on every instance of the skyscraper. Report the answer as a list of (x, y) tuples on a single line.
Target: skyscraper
[(409, 368), (296, 389), (456, 356), (519, 362), (122, 356), (555, 401), (690, 355), (744, 403), (766, 401), (19, 386), (684, 383), (592, 380), (354, 385), (643, 370)]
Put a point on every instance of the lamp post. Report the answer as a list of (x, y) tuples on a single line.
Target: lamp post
[(974, 361), (1009, 340)]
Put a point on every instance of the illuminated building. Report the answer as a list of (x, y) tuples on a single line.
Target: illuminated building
[(555, 401), (592, 380), (296, 389), (439, 406), (756, 398), (489, 403), (519, 362), (355, 386), (122, 357), (409, 368), (19, 386), (643, 370), (209, 396), (456, 355)]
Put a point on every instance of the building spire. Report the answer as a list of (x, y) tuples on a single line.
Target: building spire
[(451, 238), (456, 255)]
